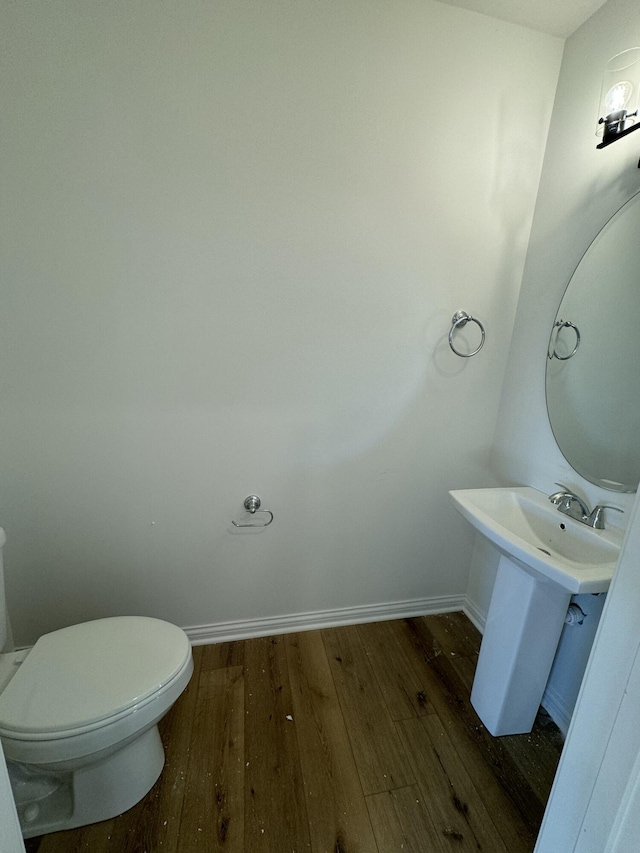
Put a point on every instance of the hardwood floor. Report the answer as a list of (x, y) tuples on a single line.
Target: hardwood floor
[(348, 740)]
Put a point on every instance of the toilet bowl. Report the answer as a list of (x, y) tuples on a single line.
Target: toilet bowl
[(79, 714)]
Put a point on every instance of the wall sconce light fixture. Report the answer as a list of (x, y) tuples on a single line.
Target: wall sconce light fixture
[(618, 108)]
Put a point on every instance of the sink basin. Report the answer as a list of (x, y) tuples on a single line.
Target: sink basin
[(527, 528)]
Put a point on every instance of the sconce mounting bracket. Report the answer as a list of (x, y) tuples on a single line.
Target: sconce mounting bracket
[(619, 135)]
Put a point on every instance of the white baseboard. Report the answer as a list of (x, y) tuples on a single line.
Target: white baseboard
[(557, 708), (474, 614), (244, 629)]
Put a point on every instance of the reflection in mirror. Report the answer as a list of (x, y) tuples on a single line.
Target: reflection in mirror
[(593, 364)]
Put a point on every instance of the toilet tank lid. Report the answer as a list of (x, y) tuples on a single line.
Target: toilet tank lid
[(86, 673)]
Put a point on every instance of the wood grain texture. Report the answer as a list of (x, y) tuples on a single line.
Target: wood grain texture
[(401, 675), (96, 837), (275, 807), (267, 747), (517, 836), (221, 655), (402, 823), (380, 757), (213, 809), (455, 635), (338, 815), (454, 807)]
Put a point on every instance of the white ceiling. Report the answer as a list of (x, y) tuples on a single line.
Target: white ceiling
[(556, 17)]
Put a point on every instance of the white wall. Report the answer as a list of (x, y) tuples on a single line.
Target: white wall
[(233, 238)]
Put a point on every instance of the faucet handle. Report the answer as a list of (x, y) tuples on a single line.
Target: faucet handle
[(596, 519)]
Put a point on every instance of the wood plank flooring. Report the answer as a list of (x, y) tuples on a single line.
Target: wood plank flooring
[(358, 739)]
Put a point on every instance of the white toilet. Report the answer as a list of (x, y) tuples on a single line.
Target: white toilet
[(79, 714)]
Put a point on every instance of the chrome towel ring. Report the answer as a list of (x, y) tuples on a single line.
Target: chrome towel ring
[(252, 505), (460, 320), (565, 324)]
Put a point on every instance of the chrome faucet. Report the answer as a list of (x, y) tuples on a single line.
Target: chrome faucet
[(570, 504), (573, 506)]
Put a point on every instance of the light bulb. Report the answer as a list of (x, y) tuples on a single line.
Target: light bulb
[(618, 96)]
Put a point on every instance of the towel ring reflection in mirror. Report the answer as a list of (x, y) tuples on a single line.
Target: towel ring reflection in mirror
[(563, 324)]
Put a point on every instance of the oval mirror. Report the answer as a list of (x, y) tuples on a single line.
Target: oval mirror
[(593, 364)]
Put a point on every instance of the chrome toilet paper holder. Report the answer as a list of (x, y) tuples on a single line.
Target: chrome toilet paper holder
[(252, 504)]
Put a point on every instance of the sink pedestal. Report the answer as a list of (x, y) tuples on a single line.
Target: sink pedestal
[(523, 628)]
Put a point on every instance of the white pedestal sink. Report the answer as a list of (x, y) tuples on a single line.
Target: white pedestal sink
[(546, 557)]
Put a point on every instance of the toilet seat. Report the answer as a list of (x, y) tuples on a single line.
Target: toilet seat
[(89, 676)]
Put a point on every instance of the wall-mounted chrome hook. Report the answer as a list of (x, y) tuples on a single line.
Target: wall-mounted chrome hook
[(252, 504)]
